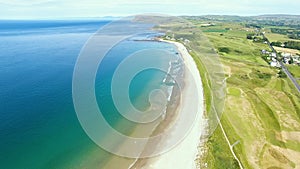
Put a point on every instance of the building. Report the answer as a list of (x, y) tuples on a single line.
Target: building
[(275, 64)]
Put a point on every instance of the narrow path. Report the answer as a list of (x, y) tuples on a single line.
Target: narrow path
[(230, 146), (227, 140), (223, 131)]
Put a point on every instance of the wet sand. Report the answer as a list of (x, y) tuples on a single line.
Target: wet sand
[(183, 155)]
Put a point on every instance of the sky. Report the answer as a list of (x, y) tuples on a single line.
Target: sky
[(47, 9)]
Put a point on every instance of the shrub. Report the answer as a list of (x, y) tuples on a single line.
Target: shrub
[(224, 49)]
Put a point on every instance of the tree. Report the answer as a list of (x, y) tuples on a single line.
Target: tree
[(250, 36), (291, 61), (276, 43), (224, 49), (281, 74), (292, 45)]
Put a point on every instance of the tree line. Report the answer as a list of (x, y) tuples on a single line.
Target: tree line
[(288, 44)]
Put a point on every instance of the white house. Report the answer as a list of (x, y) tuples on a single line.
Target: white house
[(275, 64), (273, 54)]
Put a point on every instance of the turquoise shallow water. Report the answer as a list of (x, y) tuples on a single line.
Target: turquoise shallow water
[(38, 124)]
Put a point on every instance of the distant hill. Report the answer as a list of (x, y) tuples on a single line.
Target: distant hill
[(279, 15), (292, 21)]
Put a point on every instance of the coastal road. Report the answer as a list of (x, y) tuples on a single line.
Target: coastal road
[(284, 69), (290, 76)]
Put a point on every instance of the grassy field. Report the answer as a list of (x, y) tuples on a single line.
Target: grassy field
[(295, 71), (262, 111), (274, 37), (260, 107), (286, 50)]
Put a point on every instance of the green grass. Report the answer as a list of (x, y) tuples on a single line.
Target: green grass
[(274, 37), (219, 154), (295, 71), (215, 30), (257, 100), (234, 91), (233, 136), (205, 81), (239, 47), (252, 82)]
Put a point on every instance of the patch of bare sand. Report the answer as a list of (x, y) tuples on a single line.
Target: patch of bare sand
[(292, 135), (273, 157)]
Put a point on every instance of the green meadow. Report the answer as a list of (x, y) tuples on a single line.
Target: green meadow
[(262, 111)]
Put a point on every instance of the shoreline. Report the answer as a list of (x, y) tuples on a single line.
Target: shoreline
[(185, 153), (154, 128)]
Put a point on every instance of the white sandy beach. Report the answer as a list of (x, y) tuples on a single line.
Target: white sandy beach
[(184, 154)]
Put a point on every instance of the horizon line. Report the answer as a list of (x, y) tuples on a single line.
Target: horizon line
[(121, 16)]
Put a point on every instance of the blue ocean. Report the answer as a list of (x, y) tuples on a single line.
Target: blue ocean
[(38, 124)]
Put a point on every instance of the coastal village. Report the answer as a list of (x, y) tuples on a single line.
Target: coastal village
[(287, 58)]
